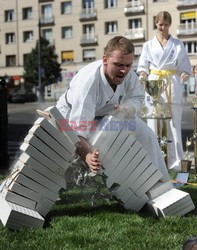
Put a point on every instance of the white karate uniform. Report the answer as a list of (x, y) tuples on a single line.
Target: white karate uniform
[(90, 95), (173, 57)]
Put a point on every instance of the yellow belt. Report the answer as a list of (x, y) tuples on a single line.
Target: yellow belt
[(163, 73)]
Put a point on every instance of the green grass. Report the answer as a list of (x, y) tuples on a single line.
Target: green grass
[(74, 224)]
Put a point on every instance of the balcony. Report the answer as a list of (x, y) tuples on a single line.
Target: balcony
[(135, 34), (45, 1), (88, 14), (187, 29), (185, 4), (89, 39), (47, 20), (134, 7)]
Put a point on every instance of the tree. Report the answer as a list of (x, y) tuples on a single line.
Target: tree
[(49, 66)]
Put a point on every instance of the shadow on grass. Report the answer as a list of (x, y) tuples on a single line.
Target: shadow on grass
[(83, 210), (78, 203)]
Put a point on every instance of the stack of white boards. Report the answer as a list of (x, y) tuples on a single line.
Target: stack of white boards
[(29, 192), (48, 150), (132, 177)]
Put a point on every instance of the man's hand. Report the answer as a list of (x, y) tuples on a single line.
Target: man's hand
[(92, 159), (125, 110)]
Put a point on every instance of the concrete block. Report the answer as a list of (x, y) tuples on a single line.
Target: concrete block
[(56, 134), (54, 112), (143, 178), (42, 209), (183, 205), (42, 147), (15, 216), (103, 134), (124, 168), (43, 159), (154, 178), (159, 188), (171, 203), (18, 199), (140, 163), (114, 148), (119, 156), (51, 142), (42, 169), (39, 178), (35, 186), (30, 194), (135, 203), (125, 196)]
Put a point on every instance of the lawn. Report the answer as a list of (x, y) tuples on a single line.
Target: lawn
[(73, 223)]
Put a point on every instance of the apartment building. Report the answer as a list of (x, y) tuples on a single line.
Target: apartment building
[(80, 29)]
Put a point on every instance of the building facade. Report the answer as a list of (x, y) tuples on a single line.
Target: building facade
[(80, 29)]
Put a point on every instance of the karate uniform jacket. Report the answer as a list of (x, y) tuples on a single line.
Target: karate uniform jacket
[(173, 57), (90, 95)]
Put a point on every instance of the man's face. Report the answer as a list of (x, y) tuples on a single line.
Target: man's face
[(117, 66)]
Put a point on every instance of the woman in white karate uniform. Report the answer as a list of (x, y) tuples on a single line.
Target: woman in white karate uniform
[(102, 88), (165, 56)]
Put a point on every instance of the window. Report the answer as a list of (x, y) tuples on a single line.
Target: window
[(135, 23), (89, 55), (67, 32), (110, 3), (88, 31), (27, 13), (9, 38), (27, 36), (188, 17), (48, 35), (111, 27), (9, 15), (66, 7), (10, 61), (88, 4), (67, 56), (47, 15), (191, 47)]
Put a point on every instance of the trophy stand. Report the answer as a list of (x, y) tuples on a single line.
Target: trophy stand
[(155, 88), (193, 139), (162, 134)]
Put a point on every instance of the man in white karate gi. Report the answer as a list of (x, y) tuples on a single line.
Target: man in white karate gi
[(99, 89), (166, 57)]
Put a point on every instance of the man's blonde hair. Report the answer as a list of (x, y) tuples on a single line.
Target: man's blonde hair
[(119, 43)]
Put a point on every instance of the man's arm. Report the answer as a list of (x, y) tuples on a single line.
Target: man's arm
[(91, 157)]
